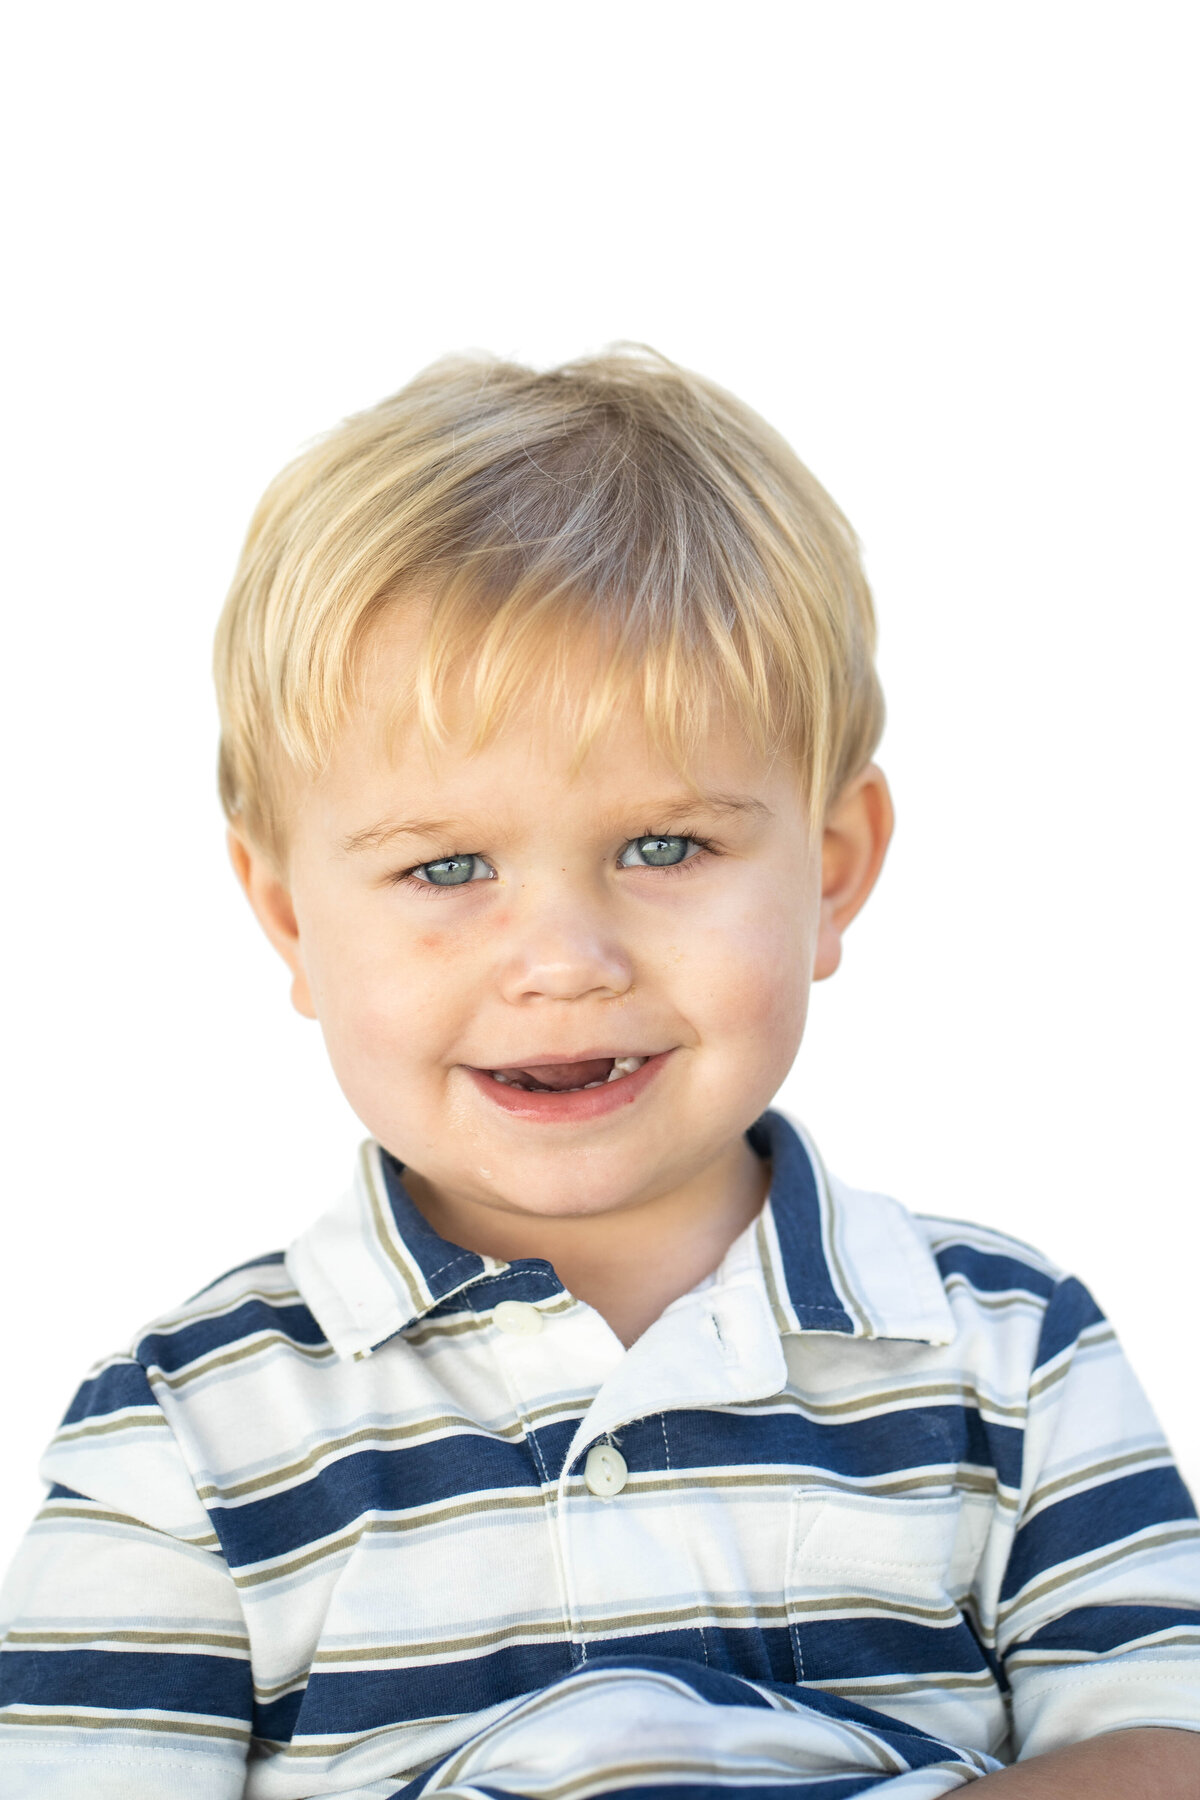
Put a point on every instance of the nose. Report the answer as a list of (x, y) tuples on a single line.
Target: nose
[(565, 950)]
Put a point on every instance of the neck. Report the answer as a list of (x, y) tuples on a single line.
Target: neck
[(628, 1263)]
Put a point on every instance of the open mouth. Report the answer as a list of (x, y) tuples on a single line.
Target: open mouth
[(567, 1078)]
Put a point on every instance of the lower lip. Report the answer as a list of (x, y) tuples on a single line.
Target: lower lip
[(585, 1103)]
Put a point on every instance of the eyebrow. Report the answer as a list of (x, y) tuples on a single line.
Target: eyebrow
[(678, 809)]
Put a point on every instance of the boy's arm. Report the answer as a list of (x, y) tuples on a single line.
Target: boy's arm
[(1141, 1764), (124, 1657), (1097, 1606)]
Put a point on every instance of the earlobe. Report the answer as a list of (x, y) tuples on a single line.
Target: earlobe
[(272, 906), (858, 829)]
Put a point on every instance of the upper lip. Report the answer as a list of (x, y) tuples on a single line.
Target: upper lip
[(544, 1057)]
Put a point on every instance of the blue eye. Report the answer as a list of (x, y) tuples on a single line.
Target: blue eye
[(656, 852), (452, 871)]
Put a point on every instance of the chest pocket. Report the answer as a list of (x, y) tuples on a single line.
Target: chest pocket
[(870, 1588)]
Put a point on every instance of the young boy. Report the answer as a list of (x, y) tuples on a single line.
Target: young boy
[(599, 1441)]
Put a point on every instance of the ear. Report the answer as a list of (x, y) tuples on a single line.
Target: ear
[(858, 829), (274, 911)]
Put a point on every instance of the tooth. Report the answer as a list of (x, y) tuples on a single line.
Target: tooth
[(496, 1076), (589, 1084), (625, 1065)]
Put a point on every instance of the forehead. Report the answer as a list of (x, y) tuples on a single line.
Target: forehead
[(530, 755)]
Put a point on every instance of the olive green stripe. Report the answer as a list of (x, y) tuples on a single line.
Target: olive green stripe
[(243, 1352), (101, 1515), (415, 1430), (1006, 1302), (385, 1527), (785, 1319), (178, 1321), (419, 1300), (1090, 1339), (467, 1323), (894, 1400), (1082, 1571), (698, 1480), (849, 1687), (830, 1224), (126, 1421), (215, 1639), (1081, 1478), (1183, 1637), (598, 1626), (1041, 1384), (537, 1632), (874, 1605), (54, 1510), (326, 1749), (237, 1734), (379, 1434)]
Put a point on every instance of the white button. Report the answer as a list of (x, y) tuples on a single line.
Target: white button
[(605, 1471), (518, 1319)]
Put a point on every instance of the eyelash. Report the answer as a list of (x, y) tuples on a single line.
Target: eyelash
[(408, 877)]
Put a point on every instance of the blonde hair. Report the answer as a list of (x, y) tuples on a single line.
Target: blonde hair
[(618, 496)]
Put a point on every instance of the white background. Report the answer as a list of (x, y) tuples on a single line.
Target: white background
[(946, 248)]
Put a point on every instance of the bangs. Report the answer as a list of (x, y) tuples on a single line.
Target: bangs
[(618, 516), (581, 659)]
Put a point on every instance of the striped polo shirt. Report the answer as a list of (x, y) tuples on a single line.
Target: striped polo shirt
[(876, 1506)]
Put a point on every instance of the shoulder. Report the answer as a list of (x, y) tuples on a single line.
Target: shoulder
[(249, 1307), (1007, 1291), (984, 1259)]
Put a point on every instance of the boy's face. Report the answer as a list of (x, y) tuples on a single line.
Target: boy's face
[(451, 917)]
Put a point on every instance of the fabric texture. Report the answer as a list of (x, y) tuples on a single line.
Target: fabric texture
[(879, 1506)]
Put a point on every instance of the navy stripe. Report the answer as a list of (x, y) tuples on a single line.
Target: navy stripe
[(127, 1680), (174, 1350), (893, 1441), (337, 1704), (796, 1207), (839, 1649), (120, 1385), (367, 1481), (277, 1719), (993, 1272), (1092, 1520), (1097, 1628), (444, 1266), (761, 1653), (1070, 1311)]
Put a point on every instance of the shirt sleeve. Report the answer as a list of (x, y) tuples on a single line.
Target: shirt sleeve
[(124, 1660), (1098, 1616)]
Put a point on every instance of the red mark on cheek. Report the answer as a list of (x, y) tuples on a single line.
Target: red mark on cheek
[(436, 942)]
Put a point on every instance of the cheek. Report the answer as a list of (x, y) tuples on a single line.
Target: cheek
[(437, 945), (752, 972)]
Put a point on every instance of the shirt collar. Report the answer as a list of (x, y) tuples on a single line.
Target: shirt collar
[(833, 1259)]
